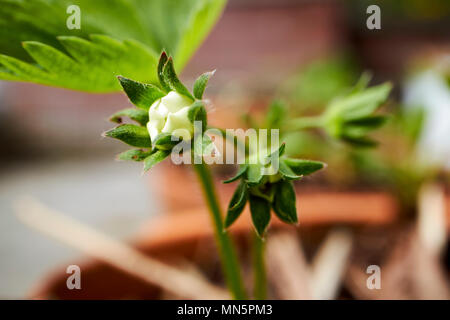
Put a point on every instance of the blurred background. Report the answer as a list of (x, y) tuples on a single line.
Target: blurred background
[(306, 52)]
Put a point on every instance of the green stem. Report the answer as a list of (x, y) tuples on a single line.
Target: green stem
[(227, 253), (304, 123), (259, 268)]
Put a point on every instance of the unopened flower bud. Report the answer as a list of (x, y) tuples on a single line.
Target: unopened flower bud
[(170, 115)]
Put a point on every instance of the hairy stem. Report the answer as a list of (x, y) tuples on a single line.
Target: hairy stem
[(259, 268), (227, 252)]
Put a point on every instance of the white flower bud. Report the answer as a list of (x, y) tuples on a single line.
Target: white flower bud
[(170, 115)]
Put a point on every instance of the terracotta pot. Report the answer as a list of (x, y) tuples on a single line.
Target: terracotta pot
[(188, 236)]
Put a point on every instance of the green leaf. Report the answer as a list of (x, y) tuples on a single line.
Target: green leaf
[(155, 158), (197, 112), (237, 204), (134, 155), (170, 77), (302, 167), (51, 59), (140, 94), (138, 115), (200, 84), (131, 134), (203, 15), (16, 69), (284, 202), (165, 141), (239, 174), (91, 66), (133, 31), (286, 171), (276, 114), (260, 212)]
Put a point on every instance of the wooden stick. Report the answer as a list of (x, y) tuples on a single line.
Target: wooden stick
[(431, 223), (287, 267), (329, 264), (102, 247)]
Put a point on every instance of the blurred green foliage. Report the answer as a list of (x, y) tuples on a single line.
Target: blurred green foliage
[(133, 33), (313, 86), (321, 87)]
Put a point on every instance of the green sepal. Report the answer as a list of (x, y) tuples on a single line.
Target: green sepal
[(359, 104), (355, 132), (286, 171), (369, 122), (165, 141), (359, 142), (350, 118), (142, 95), (239, 174), (275, 156), (155, 158), (284, 202), (279, 151), (131, 134), (303, 167), (197, 112), (162, 62), (264, 190), (237, 204), (254, 174), (260, 212), (200, 84), (367, 101), (171, 79), (138, 115), (134, 155)]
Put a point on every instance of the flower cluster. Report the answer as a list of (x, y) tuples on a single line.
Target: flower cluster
[(266, 182), (165, 114)]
